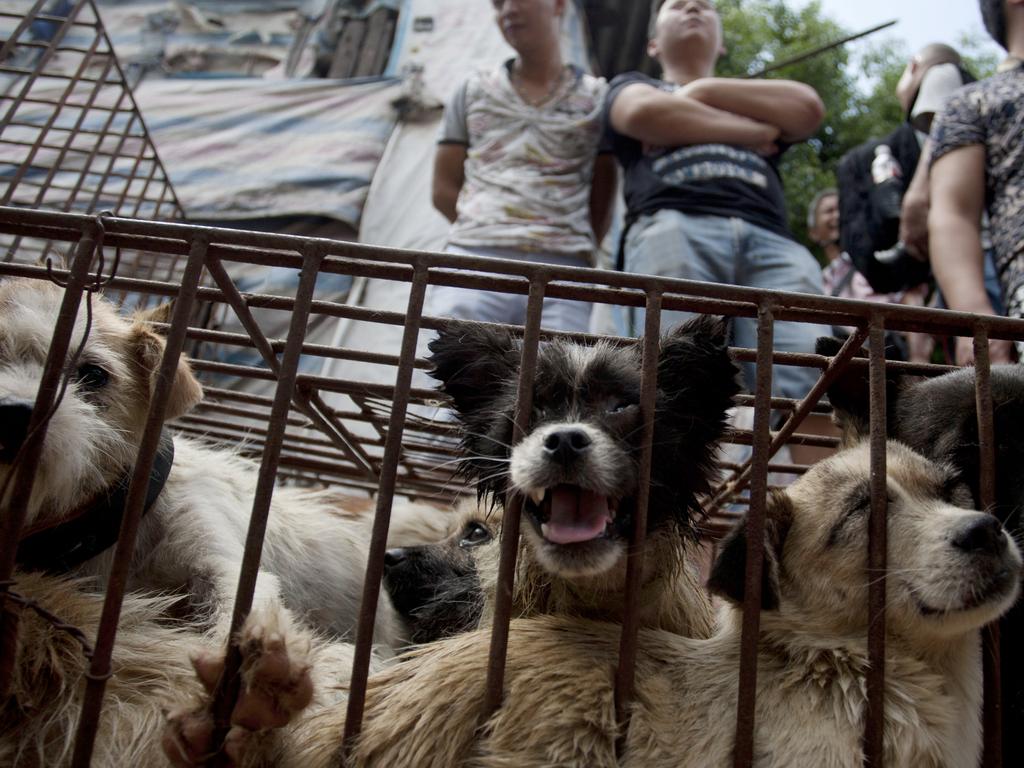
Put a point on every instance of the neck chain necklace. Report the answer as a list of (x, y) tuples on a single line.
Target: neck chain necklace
[(520, 87)]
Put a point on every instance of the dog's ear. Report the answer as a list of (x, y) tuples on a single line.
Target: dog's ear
[(728, 574), (694, 364), (186, 390), (473, 362), (161, 313), (850, 396)]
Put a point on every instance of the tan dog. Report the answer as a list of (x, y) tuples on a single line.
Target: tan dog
[(192, 537), (150, 667), (951, 570), (152, 670)]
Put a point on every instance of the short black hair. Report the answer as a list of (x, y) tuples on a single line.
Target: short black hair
[(993, 14)]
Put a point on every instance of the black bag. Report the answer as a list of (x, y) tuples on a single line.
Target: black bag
[(864, 229)]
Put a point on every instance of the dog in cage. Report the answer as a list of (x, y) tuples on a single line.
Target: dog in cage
[(192, 535), (154, 669), (436, 587), (577, 467), (950, 571), (150, 665), (938, 416)]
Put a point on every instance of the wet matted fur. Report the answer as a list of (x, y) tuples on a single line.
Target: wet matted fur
[(577, 466), (951, 570), (150, 666), (938, 417)]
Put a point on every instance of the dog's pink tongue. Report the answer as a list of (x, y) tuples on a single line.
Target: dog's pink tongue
[(576, 515)]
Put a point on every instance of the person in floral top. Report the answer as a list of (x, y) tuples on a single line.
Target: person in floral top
[(517, 168), (978, 165)]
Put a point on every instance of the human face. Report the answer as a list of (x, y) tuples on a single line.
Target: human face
[(826, 224), (527, 23), (690, 24)]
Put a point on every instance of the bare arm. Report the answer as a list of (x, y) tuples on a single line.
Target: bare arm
[(449, 175), (602, 195), (954, 238), (653, 116), (914, 211), (794, 108)]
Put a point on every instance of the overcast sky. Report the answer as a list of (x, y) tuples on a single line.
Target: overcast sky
[(919, 21)]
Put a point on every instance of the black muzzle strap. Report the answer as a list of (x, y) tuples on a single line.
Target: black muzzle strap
[(94, 528)]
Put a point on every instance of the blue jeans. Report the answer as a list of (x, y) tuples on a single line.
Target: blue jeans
[(509, 308), (719, 249)]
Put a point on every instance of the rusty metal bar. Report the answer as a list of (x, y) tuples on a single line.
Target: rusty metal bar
[(99, 666), (33, 74), (874, 729), (305, 402), (743, 754), (155, 236), (850, 347), (228, 686), (992, 708), (62, 153), (382, 518), (92, 155), (338, 433), (137, 114), (23, 167), (25, 20), (495, 690), (624, 672), (20, 491)]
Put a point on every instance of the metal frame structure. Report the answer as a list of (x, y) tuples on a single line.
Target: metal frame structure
[(71, 135), (353, 431)]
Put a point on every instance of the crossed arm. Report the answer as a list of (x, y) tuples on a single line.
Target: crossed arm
[(750, 113)]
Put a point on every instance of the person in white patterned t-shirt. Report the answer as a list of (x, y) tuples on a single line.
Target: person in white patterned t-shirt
[(518, 169)]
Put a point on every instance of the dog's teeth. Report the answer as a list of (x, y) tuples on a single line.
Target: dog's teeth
[(537, 495), (544, 530)]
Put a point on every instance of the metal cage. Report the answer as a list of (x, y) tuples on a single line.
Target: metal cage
[(352, 417)]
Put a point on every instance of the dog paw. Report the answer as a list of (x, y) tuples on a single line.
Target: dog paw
[(188, 741), (275, 686), (276, 680)]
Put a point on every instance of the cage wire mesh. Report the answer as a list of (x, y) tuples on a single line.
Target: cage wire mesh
[(360, 413), (362, 416), (71, 135)]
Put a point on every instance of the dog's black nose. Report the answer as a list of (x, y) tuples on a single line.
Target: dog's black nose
[(14, 418), (983, 535), (393, 557), (564, 445)]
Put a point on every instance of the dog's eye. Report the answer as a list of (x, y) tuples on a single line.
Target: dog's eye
[(621, 406), (91, 377), (474, 535)]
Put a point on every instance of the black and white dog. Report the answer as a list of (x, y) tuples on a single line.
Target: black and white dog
[(577, 467), (938, 417)]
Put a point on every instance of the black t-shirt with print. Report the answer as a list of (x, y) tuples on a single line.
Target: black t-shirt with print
[(710, 179)]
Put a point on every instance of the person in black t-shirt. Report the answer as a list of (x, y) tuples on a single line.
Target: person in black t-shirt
[(703, 193)]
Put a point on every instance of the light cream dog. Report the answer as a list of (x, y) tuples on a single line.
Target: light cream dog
[(192, 538), (950, 571), (152, 670)]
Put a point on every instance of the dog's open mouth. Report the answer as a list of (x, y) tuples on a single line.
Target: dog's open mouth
[(569, 514)]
